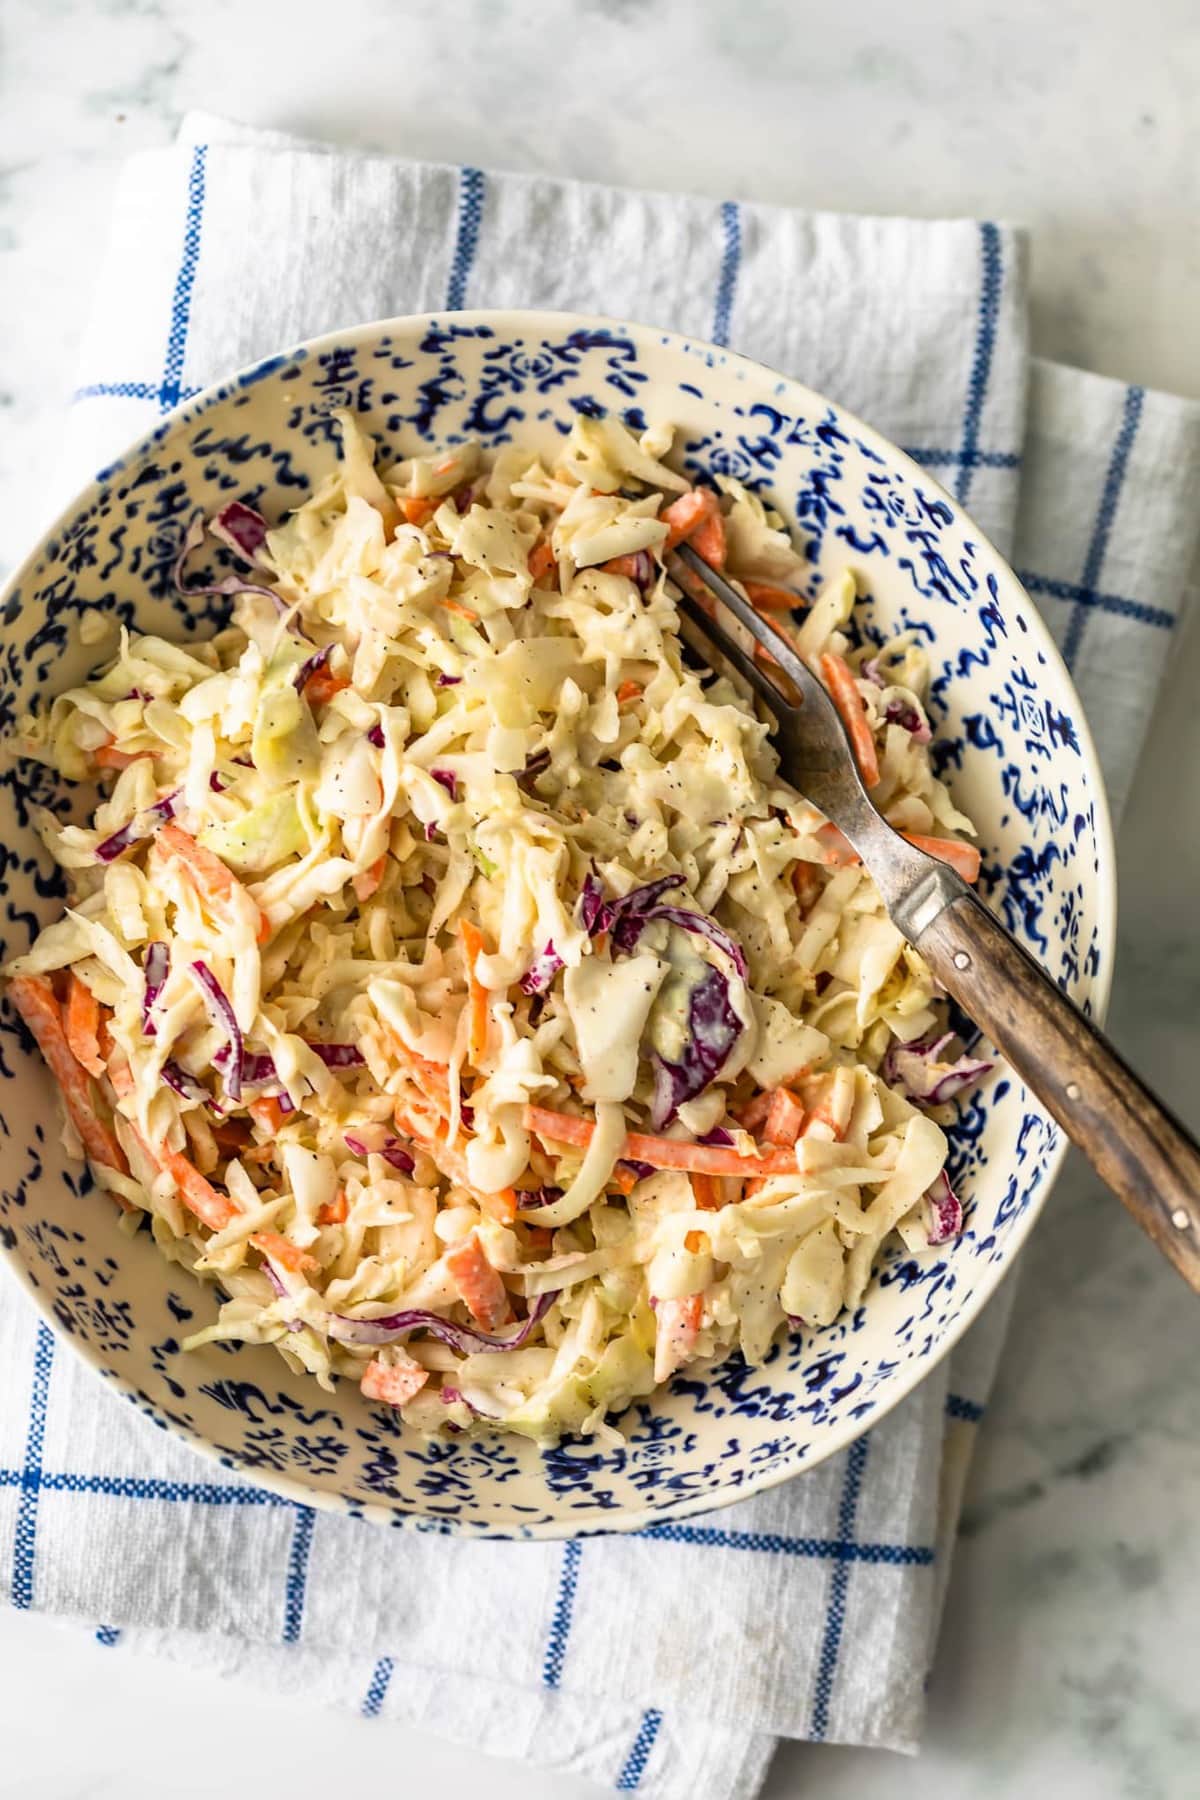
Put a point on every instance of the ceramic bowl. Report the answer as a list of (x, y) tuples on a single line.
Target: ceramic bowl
[(1011, 740)]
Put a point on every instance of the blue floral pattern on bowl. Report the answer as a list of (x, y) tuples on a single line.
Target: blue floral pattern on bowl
[(1010, 738)]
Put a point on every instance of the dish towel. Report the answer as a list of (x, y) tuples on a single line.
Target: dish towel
[(671, 1661)]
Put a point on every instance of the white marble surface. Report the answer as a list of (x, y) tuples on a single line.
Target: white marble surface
[(1068, 1658)]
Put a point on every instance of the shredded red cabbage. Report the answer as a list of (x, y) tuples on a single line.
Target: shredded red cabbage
[(142, 825), (463, 1338), (338, 1056), (915, 1070), (624, 917), (704, 927), (268, 1269), (965, 1071), (545, 1196), (627, 917), (643, 570), (257, 1066), (215, 783), (642, 1170), (541, 971), (156, 966), (534, 765), (391, 1149), (946, 1211), (375, 736), (899, 712), (448, 779), (192, 538), (591, 905), (713, 1029), (718, 1136), (273, 1278), (240, 528), (224, 1018), (447, 681), (183, 1084)]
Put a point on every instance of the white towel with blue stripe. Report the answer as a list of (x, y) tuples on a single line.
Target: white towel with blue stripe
[(669, 1662)]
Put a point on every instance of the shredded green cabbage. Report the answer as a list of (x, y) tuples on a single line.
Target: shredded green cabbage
[(419, 808)]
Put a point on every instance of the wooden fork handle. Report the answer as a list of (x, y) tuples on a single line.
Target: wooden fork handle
[(1134, 1144)]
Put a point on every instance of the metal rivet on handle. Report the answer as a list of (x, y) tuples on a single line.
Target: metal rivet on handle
[(1179, 1219), (1072, 1090), (961, 960)]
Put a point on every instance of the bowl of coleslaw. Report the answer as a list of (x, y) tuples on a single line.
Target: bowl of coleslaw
[(434, 1028)]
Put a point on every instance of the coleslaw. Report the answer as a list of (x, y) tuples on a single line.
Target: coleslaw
[(448, 975)]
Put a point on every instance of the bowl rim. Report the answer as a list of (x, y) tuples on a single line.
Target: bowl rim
[(518, 320)]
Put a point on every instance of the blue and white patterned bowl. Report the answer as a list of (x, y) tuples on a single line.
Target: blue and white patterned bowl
[(1011, 738)]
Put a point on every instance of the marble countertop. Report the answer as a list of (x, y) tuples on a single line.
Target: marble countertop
[(1067, 1658)]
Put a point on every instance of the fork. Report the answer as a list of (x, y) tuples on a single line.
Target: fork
[(1138, 1148)]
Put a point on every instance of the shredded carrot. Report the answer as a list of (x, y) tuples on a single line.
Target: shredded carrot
[(785, 1118), (367, 883), (431, 1078), (686, 515), (109, 757), (766, 660), (839, 679), (839, 851), (474, 945), (267, 1113), (82, 1023), (764, 596), (480, 1288), (542, 560), (210, 1206), (659, 1152), (807, 883), (417, 508), (321, 687), (628, 690), (538, 1238), (335, 1211), (460, 611), (119, 1073), (708, 540), (393, 1384), (753, 1115), (34, 999), (207, 873), (964, 859), (624, 1180), (232, 1136), (629, 566), (827, 1103), (707, 1192), (282, 1250), (696, 1241), (501, 1206)]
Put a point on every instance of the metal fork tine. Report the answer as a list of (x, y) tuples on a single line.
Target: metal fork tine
[(770, 639), (715, 633)]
